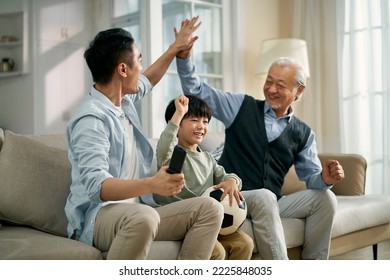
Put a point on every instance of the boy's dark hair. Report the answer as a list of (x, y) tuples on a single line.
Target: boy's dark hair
[(196, 108), (106, 51)]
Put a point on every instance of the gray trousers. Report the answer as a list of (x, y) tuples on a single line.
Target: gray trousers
[(126, 230), (316, 206)]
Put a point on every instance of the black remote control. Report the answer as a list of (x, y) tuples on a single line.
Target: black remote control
[(177, 160)]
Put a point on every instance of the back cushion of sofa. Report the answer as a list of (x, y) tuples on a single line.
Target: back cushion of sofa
[(292, 183), (355, 167), (34, 182)]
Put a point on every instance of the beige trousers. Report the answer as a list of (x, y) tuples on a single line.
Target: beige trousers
[(235, 246), (126, 230)]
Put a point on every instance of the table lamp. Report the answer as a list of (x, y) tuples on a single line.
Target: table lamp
[(272, 49)]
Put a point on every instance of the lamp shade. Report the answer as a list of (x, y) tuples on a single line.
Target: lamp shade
[(275, 48)]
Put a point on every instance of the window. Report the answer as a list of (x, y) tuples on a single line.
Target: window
[(126, 14), (144, 21), (366, 88), (207, 53)]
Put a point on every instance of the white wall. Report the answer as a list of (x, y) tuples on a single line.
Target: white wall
[(263, 19), (62, 31)]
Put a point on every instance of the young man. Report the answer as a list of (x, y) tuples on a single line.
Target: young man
[(188, 118), (111, 160), (263, 140)]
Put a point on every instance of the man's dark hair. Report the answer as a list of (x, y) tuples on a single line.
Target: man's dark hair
[(196, 108), (106, 51)]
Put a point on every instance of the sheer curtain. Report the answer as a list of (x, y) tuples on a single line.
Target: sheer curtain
[(315, 22), (365, 87), (347, 100)]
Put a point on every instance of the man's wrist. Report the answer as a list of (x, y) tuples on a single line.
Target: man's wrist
[(234, 180), (326, 183)]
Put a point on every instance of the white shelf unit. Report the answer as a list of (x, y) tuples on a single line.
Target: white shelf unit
[(14, 25)]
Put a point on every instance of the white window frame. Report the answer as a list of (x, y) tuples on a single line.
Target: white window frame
[(378, 162), (152, 44)]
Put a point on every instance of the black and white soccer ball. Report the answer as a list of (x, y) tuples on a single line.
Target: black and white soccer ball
[(234, 216)]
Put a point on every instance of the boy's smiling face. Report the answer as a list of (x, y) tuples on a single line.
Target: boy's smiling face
[(191, 132)]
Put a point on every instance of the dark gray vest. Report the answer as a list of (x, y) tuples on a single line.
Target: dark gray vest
[(248, 154)]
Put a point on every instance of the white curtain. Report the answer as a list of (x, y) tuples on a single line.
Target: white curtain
[(365, 87), (315, 22), (347, 101)]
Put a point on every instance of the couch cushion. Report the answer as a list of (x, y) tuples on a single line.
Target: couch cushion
[(28, 244), (35, 181), (354, 166), (292, 183), (355, 213), (212, 141), (164, 250)]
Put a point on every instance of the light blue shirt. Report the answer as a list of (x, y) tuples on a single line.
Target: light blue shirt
[(225, 107), (97, 150)]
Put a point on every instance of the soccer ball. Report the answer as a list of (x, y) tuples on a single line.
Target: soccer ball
[(234, 215)]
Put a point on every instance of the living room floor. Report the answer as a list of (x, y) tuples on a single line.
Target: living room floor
[(366, 253)]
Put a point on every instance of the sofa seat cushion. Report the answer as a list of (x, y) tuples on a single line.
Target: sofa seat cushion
[(35, 183), (161, 250), (360, 212), (18, 243)]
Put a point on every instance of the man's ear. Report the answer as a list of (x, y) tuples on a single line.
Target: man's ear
[(121, 69), (299, 92)]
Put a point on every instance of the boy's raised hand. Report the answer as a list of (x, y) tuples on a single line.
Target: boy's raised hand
[(181, 105)]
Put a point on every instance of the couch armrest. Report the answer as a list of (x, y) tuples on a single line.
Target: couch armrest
[(353, 184), (355, 167)]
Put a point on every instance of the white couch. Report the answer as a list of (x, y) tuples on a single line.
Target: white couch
[(35, 180)]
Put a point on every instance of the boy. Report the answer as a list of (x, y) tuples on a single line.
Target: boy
[(188, 118)]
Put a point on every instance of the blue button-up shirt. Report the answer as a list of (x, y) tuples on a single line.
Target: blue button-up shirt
[(225, 107), (97, 150)]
